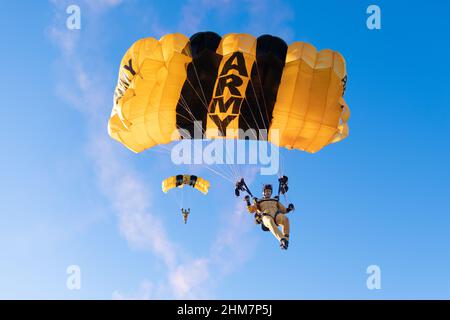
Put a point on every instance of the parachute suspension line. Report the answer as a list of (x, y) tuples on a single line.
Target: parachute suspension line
[(263, 97), (187, 196), (184, 104), (192, 120), (282, 166), (161, 149), (286, 198), (157, 150), (234, 173), (231, 167), (258, 104), (254, 118), (231, 176), (204, 103), (177, 199), (183, 191), (188, 119), (200, 84), (186, 107), (234, 168), (204, 100), (281, 174), (251, 111), (237, 168), (166, 150), (220, 174)]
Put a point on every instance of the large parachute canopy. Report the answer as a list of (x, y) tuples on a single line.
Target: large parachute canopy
[(237, 81), (181, 180)]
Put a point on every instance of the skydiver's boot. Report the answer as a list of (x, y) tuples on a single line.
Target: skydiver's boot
[(284, 243)]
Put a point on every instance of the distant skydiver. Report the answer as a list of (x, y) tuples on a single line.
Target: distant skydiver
[(185, 214), (181, 180), (269, 212)]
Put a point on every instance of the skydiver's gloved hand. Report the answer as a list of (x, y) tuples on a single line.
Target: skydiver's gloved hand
[(290, 208), (247, 200)]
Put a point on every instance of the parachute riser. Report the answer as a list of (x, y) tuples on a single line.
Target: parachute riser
[(242, 186), (282, 187)]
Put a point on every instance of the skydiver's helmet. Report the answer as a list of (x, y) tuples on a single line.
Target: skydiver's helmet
[(267, 187)]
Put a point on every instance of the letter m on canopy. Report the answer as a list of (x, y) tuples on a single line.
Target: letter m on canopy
[(225, 106)]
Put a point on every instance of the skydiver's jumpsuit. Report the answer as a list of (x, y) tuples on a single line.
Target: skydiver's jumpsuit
[(273, 215)]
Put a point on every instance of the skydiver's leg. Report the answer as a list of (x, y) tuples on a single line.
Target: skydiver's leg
[(283, 221), (270, 224)]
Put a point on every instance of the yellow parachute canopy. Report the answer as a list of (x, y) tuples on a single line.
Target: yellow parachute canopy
[(181, 180), (234, 82)]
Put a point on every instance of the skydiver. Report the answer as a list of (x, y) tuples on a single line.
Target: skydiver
[(271, 213), (185, 214)]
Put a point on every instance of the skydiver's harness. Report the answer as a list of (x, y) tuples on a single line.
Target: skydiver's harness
[(260, 213), (282, 189)]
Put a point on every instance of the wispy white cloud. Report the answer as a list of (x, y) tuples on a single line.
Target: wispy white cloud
[(85, 90), (132, 202), (80, 86), (96, 5), (194, 13), (189, 280), (233, 245), (101, 5), (197, 278), (257, 16), (270, 16), (231, 248), (147, 290)]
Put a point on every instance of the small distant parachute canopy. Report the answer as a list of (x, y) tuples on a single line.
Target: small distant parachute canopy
[(181, 180)]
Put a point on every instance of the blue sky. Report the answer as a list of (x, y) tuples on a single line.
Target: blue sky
[(73, 196)]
